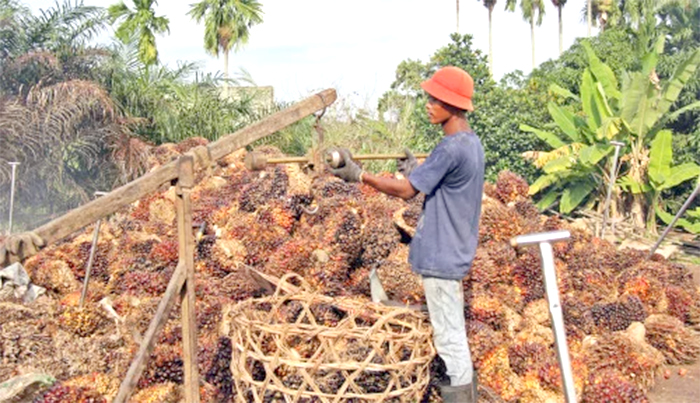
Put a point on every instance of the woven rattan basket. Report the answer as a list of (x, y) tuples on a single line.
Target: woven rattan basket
[(306, 347)]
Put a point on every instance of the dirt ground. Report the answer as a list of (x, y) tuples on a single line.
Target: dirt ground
[(681, 386)]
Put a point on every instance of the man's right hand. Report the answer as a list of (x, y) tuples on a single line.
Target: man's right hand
[(406, 165), (350, 171)]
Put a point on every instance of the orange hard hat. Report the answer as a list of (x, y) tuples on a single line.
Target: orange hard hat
[(452, 86)]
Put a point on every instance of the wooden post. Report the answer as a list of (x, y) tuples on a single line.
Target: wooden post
[(161, 316), (186, 250)]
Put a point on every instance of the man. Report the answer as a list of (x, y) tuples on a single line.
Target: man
[(442, 250)]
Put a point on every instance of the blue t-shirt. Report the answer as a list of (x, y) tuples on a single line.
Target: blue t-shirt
[(452, 179)]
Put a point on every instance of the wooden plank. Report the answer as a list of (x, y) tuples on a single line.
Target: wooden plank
[(85, 215), (186, 252), (106, 205), (161, 316), (272, 124)]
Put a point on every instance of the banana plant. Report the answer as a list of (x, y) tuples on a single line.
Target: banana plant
[(691, 223), (646, 105), (576, 170), (634, 112), (660, 176)]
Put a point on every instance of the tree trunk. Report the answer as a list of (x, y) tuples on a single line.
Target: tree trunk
[(226, 68), (561, 32), (490, 41), (590, 16), (532, 39), (457, 16), (639, 205)]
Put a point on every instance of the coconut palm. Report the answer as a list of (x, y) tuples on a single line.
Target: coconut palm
[(559, 4), (533, 11), (490, 4), (603, 13), (227, 24), (141, 22)]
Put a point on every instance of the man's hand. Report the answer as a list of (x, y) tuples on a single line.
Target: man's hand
[(20, 246), (350, 172), (406, 165)]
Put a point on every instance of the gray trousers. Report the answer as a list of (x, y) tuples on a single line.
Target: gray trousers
[(445, 300)]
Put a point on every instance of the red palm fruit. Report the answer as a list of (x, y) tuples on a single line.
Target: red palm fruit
[(677, 343), (611, 386)]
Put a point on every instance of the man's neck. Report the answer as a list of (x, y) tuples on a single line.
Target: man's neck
[(455, 124)]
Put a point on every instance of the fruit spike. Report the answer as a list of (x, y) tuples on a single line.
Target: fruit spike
[(511, 187), (678, 344)]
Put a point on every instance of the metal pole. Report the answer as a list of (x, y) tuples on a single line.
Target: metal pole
[(12, 195), (673, 222), (555, 310), (91, 259), (613, 176)]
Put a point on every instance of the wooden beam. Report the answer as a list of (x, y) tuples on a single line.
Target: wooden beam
[(186, 253), (272, 124), (161, 316), (85, 215)]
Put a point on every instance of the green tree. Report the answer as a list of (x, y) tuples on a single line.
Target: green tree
[(142, 23), (635, 112), (499, 108), (227, 24), (533, 11), (559, 4), (490, 4), (55, 119)]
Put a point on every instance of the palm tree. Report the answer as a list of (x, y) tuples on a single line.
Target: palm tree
[(142, 23), (457, 17), (603, 13), (54, 118), (589, 15), (490, 4), (530, 10), (559, 4), (227, 24)]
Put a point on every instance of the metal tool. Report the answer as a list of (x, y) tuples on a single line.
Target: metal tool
[(12, 195), (91, 258), (678, 216), (257, 162), (613, 175), (375, 287), (545, 240)]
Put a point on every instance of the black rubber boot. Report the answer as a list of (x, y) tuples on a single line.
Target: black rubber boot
[(459, 394)]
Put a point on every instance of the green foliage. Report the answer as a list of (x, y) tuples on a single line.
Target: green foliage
[(500, 108), (141, 23), (532, 10), (635, 112), (227, 23), (47, 48), (173, 104)]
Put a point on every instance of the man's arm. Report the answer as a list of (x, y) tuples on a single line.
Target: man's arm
[(393, 187)]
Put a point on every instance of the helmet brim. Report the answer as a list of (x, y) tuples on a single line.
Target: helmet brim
[(438, 91)]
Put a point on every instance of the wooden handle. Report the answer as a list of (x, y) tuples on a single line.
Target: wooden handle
[(363, 157)]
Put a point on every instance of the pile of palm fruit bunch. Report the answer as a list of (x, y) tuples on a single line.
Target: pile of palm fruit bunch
[(626, 316)]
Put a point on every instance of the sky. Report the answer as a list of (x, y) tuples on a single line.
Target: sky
[(304, 46)]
